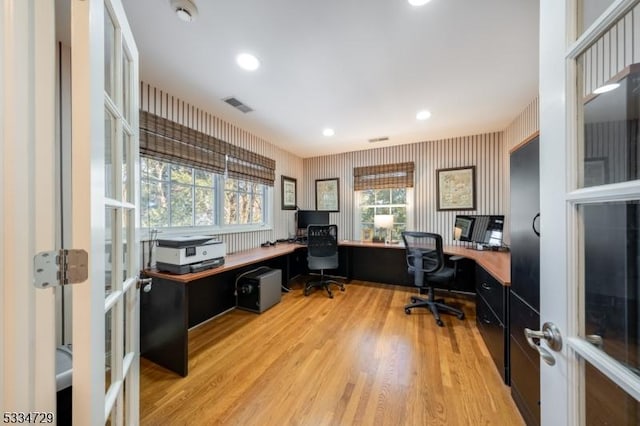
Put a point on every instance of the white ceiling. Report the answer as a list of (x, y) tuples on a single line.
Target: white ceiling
[(362, 67)]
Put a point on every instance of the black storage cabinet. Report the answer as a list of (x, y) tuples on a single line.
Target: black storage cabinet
[(524, 295)]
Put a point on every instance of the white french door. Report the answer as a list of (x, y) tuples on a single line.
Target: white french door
[(590, 209), (27, 213), (104, 169)]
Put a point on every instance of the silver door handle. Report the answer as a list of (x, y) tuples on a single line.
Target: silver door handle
[(145, 283), (595, 340), (549, 333)]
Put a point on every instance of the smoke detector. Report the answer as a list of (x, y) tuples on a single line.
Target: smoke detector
[(185, 9)]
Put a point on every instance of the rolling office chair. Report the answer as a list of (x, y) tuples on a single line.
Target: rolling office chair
[(425, 259), (322, 253)]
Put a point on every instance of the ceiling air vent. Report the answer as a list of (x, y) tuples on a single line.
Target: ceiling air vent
[(237, 104), (381, 139)]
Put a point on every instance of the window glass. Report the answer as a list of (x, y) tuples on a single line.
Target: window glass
[(243, 202), (181, 204), (109, 136), (204, 203), (589, 11), (179, 196), (375, 202), (109, 54), (610, 143), (611, 270)]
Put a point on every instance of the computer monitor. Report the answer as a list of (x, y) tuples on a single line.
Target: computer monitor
[(481, 229), (305, 218)]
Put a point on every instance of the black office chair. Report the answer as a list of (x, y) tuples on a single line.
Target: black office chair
[(425, 259), (322, 253)]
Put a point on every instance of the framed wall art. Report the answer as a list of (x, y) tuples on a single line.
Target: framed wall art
[(456, 188), (328, 194), (289, 193)]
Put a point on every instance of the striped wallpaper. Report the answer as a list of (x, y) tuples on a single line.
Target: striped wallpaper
[(611, 153), (172, 108), (617, 49), (485, 151), (488, 152)]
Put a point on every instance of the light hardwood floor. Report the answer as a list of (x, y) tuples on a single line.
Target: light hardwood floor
[(354, 359)]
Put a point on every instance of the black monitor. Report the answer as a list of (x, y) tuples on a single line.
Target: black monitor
[(480, 229), (311, 217)]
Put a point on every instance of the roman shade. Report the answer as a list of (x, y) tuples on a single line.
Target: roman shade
[(167, 140), (398, 175)]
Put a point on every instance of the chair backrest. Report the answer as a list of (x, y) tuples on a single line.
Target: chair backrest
[(322, 246), (424, 251)]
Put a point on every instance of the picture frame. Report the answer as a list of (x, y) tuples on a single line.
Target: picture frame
[(456, 188), (328, 194), (289, 193)]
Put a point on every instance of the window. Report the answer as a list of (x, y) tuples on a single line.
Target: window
[(388, 201), (243, 202), (176, 196), (385, 189)]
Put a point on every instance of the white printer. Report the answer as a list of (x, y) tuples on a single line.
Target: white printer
[(182, 255)]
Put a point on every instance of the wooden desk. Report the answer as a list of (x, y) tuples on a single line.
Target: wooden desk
[(232, 261), (498, 264), (179, 302)]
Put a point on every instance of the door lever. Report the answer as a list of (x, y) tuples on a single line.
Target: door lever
[(551, 334), (595, 340)]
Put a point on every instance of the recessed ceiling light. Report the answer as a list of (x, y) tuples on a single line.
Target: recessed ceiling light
[(606, 88), (418, 2), (423, 115), (328, 132), (186, 10), (248, 62)]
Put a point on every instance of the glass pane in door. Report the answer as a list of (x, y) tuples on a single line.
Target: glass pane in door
[(589, 11), (127, 222), (611, 145), (109, 139), (110, 261), (108, 358), (126, 86), (126, 145), (109, 54), (611, 267), (606, 403)]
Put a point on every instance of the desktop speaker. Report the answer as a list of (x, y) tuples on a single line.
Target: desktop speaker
[(260, 290)]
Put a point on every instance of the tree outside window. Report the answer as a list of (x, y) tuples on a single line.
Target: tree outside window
[(374, 202), (173, 195)]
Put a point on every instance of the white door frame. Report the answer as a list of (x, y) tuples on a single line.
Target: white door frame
[(90, 102), (562, 385), (27, 206)]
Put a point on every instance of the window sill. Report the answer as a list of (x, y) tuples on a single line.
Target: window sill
[(203, 230)]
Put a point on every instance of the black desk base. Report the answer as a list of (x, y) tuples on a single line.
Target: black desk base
[(171, 308)]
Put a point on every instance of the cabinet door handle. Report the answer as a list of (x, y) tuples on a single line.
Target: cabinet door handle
[(486, 320), (486, 286), (533, 224)]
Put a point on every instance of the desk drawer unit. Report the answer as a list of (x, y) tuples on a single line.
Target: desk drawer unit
[(525, 361), (491, 308), (491, 291)]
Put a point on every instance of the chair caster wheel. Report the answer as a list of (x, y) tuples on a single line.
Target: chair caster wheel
[(341, 288), (440, 323), (306, 292), (414, 300), (461, 316), (407, 311)]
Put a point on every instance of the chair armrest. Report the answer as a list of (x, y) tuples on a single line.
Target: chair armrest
[(456, 258)]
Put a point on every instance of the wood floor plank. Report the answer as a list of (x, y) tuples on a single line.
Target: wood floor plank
[(354, 359)]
